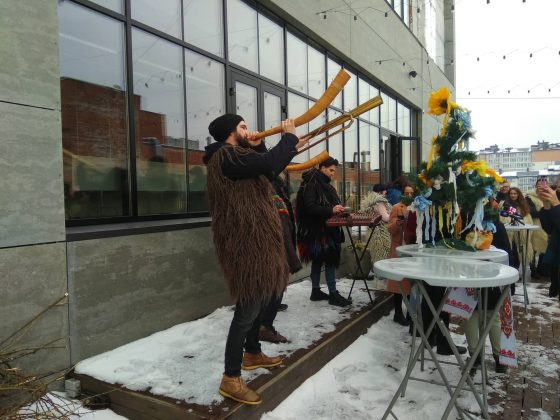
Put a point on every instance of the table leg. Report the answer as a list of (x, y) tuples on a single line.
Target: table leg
[(524, 277), (483, 349), (481, 343), (416, 355), (359, 270), (449, 339)]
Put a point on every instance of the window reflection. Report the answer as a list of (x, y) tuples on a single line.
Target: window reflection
[(316, 72), (363, 96), (392, 105), (204, 25), (335, 147), (272, 117), (297, 105), (164, 15), (351, 167), (271, 49), (403, 115), (160, 125), (384, 111), (332, 70), (94, 120), (242, 34), (369, 157), (246, 104), (297, 63), (351, 93), (115, 5), (205, 102)]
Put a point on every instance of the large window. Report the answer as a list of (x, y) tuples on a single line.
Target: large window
[(164, 15), (271, 49), (205, 102), (94, 114), (160, 125), (204, 25), (242, 35), (135, 122)]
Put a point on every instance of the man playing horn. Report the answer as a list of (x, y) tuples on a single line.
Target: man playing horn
[(248, 238)]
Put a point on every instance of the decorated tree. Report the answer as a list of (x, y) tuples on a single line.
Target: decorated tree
[(453, 186)]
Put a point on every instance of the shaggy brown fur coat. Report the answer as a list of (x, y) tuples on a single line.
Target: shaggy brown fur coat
[(247, 232)]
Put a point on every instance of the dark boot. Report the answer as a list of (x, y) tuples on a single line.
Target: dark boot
[(318, 294), (399, 318), (475, 366), (499, 367), (444, 349), (337, 299)]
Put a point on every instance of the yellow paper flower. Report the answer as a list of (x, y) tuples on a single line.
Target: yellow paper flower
[(482, 168), (438, 101), (424, 179)]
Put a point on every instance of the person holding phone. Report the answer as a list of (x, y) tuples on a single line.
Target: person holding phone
[(539, 238), (550, 221)]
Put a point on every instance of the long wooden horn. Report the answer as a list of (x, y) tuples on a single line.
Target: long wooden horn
[(342, 119), (322, 103), (295, 167)]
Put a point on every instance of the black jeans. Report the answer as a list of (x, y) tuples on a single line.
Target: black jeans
[(270, 311), (243, 333)]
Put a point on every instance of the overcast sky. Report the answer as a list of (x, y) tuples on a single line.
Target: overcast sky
[(515, 29)]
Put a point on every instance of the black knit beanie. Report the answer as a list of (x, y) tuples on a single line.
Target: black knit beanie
[(223, 126)]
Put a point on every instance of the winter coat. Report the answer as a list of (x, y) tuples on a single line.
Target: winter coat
[(247, 231), (380, 243), (539, 238), (286, 214), (315, 200), (550, 220), (397, 227)]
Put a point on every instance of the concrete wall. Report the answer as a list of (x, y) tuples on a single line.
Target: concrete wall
[(32, 259), (32, 279), (125, 288)]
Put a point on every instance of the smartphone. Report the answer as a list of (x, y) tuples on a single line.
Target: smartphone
[(542, 181)]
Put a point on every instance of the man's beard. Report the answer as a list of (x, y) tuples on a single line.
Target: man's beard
[(242, 141)]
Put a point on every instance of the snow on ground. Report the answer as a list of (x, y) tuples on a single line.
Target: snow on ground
[(360, 382), (185, 362), (66, 406)]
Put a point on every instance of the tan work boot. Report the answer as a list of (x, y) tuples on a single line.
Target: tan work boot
[(236, 389), (254, 361)]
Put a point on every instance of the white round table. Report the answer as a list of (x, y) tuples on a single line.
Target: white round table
[(492, 254), (523, 244), (447, 272)]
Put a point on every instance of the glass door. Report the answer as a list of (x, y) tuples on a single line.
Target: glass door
[(261, 105), (397, 155)]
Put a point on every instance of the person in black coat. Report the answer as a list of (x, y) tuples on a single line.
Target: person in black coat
[(550, 221), (316, 202)]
